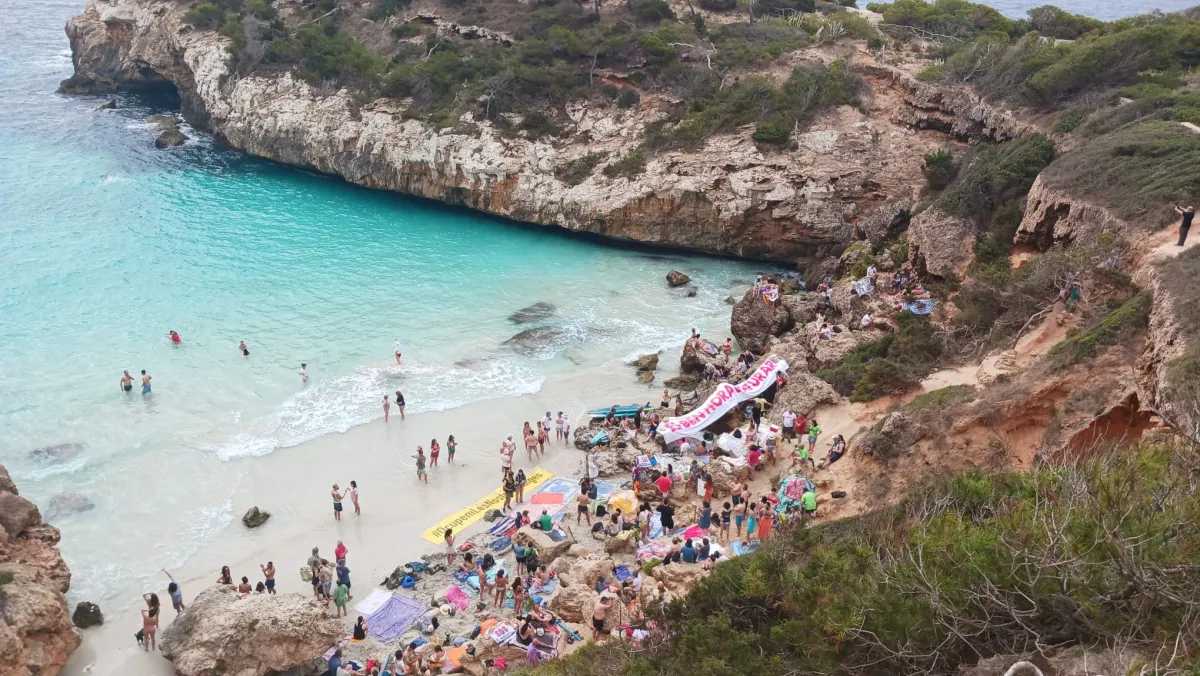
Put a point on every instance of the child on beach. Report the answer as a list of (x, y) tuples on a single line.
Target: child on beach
[(354, 497), (726, 517), (421, 473), (387, 406), (451, 445), (739, 516), (435, 449), (541, 438), (448, 538)]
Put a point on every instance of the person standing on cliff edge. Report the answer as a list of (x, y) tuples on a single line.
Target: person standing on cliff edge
[(1186, 214)]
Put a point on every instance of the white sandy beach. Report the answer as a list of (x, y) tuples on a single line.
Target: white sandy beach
[(293, 484)]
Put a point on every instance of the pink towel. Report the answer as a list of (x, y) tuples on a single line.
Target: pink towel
[(693, 532), (457, 597)]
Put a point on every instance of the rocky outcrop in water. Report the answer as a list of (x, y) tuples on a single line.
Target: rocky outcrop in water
[(727, 197), (36, 633), (221, 633), (755, 321)]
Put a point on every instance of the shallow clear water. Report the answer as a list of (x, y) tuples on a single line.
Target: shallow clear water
[(107, 243)]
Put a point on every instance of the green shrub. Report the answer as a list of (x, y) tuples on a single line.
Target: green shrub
[(932, 73), (205, 15), (650, 11), (1128, 318), (236, 32), (382, 9), (948, 17), (996, 174), (780, 6), (771, 133), (628, 99), (743, 45), (537, 125), (1071, 120), (326, 54), (939, 168), (629, 166), (1053, 22), (6, 578), (894, 364), (610, 91), (577, 171)]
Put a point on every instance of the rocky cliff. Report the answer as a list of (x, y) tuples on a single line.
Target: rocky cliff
[(36, 634), (730, 197)]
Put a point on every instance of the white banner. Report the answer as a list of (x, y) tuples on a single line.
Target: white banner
[(722, 401)]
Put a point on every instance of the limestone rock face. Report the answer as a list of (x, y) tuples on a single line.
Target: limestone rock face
[(1052, 216), (726, 197), (575, 603), (803, 393), (755, 321), (36, 634), (940, 243), (220, 633)]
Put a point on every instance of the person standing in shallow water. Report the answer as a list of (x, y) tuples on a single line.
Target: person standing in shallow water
[(145, 383), (126, 382), (435, 449), (400, 404), (451, 446), (1186, 214), (243, 348), (303, 373), (397, 350), (387, 406)]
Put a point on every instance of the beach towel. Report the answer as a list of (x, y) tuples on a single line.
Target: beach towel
[(546, 499), (709, 347), (653, 550), (693, 532), (455, 656), (770, 293), (606, 488), (491, 574), (503, 633), (922, 306), (501, 543), (374, 601), (547, 588), (457, 597), (863, 287), (739, 548), (655, 525), (502, 526), (394, 618), (621, 573), (600, 438)]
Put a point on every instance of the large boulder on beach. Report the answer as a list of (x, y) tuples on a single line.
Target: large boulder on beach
[(547, 548), (679, 577), (221, 633), (755, 321), (255, 517), (587, 571), (646, 362), (36, 633), (532, 313), (803, 393), (87, 614), (695, 358), (575, 603), (17, 514), (676, 278)]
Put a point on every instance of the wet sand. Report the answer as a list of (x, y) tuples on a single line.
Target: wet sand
[(293, 485)]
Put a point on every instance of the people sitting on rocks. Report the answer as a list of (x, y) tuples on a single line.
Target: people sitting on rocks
[(826, 332), (360, 629), (836, 451), (687, 553), (528, 634), (673, 555)]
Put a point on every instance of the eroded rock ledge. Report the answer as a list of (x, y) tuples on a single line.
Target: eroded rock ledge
[(728, 198)]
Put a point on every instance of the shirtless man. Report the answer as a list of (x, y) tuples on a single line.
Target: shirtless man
[(583, 510), (268, 572), (244, 588), (598, 614), (337, 502), (145, 382), (126, 382)]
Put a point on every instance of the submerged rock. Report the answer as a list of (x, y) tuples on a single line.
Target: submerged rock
[(221, 633), (646, 362), (676, 278), (255, 517), (532, 313), (730, 300), (532, 341), (87, 614), (163, 122), (66, 503), (645, 377), (170, 138), (107, 105), (57, 452)]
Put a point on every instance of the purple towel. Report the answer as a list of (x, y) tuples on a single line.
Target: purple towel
[(394, 618)]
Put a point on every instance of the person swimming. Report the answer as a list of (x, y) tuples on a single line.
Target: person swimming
[(174, 336), (127, 382)]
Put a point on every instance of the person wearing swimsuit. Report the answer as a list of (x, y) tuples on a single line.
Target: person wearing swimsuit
[(242, 347), (397, 350), (127, 382), (149, 628), (451, 446), (145, 382), (435, 449), (387, 406), (354, 497), (400, 403)]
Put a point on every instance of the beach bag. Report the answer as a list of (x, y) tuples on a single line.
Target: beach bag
[(408, 582)]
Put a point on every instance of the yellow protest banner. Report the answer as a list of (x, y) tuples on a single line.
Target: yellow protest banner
[(494, 500)]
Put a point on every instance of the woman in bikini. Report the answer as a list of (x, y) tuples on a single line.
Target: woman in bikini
[(530, 442), (150, 627), (541, 438), (451, 446), (501, 585), (435, 449), (225, 577), (518, 591)]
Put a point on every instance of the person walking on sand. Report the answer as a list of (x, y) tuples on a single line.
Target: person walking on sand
[(566, 429), (448, 539), (1185, 222), (387, 406), (422, 475), (583, 510), (508, 448), (397, 350), (400, 404), (520, 481), (354, 498), (451, 445), (126, 382), (268, 572), (242, 347), (303, 372), (337, 502)]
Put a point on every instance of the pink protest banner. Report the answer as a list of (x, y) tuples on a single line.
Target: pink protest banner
[(722, 401)]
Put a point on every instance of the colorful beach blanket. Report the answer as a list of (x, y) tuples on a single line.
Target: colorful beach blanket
[(394, 618), (863, 287), (456, 597), (921, 306)]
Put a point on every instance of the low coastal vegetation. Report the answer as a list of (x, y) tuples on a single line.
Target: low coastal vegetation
[(1092, 554), (893, 364)]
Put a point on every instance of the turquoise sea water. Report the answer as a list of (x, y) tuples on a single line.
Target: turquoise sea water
[(107, 243)]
